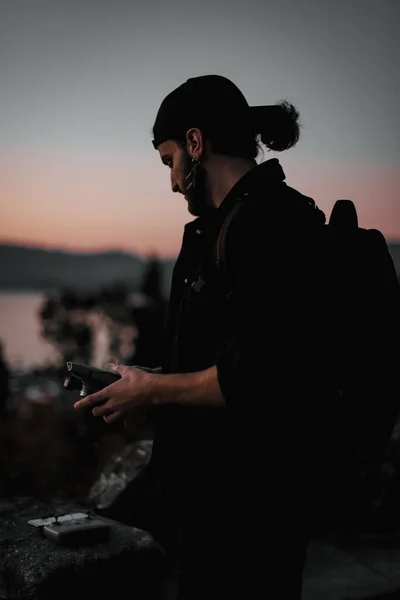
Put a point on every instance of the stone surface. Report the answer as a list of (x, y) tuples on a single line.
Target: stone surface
[(132, 565), (118, 472), (363, 567), (129, 565)]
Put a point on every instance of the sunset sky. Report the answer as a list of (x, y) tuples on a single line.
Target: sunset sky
[(81, 83)]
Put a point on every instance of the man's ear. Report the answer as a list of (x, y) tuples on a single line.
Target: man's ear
[(194, 142)]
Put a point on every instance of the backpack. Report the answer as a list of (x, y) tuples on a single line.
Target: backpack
[(362, 293), (365, 307)]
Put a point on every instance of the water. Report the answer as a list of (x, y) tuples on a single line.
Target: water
[(20, 333)]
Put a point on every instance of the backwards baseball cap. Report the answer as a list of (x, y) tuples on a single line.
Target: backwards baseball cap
[(206, 102)]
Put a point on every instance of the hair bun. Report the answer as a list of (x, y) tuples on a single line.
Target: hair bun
[(277, 125)]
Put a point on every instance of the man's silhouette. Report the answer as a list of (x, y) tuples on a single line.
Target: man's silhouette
[(244, 401)]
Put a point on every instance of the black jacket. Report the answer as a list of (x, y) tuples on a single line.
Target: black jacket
[(260, 328), (280, 454)]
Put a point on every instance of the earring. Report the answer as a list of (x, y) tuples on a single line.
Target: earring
[(192, 173)]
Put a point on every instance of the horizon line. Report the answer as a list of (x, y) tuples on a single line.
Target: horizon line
[(94, 250), (104, 249)]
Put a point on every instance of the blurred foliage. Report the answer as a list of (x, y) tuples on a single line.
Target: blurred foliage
[(133, 324), (48, 454), (46, 448)]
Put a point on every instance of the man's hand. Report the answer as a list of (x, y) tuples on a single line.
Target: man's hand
[(130, 395), (139, 390)]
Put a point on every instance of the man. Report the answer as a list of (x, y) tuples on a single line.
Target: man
[(234, 446)]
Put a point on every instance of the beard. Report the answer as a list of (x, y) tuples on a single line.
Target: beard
[(197, 195)]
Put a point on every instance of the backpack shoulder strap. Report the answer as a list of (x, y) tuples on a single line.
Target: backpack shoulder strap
[(220, 257), (220, 248)]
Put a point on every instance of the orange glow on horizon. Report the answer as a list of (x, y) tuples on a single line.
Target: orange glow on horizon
[(86, 203)]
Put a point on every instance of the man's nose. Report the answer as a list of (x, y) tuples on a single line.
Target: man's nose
[(174, 185)]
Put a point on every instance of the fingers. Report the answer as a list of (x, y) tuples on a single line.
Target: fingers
[(101, 411), (121, 369), (110, 407), (93, 399), (97, 397), (110, 363), (113, 417)]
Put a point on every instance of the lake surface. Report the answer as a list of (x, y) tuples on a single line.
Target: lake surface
[(20, 333)]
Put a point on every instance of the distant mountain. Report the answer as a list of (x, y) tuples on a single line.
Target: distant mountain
[(30, 268)]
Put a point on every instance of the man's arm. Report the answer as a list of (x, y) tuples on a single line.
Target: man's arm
[(189, 389), (149, 369), (138, 391)]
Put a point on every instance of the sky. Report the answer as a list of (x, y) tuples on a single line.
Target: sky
[(81, 83)]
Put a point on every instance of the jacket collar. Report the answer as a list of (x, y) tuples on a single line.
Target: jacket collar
[(269, 171)]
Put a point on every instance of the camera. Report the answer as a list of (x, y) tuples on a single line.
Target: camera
[(88, 379)]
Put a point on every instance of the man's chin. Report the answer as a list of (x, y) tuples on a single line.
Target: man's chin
[(191, 206), (197, 206), (192, 210)]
